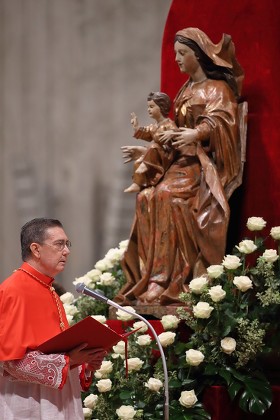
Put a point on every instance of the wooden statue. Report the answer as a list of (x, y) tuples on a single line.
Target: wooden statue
[(181, 222)]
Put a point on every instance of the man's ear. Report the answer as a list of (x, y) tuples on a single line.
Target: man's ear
[(34, 248)]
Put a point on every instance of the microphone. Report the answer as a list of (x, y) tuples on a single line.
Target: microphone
[(81, 288)]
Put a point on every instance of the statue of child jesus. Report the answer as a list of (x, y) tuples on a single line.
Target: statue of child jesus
[(152, 165)]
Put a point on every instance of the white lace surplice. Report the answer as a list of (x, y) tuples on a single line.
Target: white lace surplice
[(29, 389)]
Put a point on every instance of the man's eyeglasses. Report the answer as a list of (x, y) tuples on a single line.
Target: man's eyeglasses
[(59, 245)]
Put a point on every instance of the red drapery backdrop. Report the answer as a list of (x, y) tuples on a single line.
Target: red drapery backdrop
[(255, 30)]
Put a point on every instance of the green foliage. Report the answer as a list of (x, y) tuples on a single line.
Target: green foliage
[(195, 413)]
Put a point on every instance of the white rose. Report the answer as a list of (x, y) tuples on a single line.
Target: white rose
[(170, 322), (70, 309), (104, 265), (270, 255), (215, 271), (114, 255), (134, 363), (124, 316), (116, 356), (119, 348), (202, 310), (123, 247), (67, 298), (194, 357), (90, 401), (154, 384), (87, 412), (104, 370), (126, 412), (243, 283), (84, 279), (144, 340), (228, 345), (247, 246), (94, 274), (231, 262), (70, 319), (141, 325), (167, 338), (104, 385), (106, 279), (188, 398), (255, 223), (275, 233), (217, 293), (198, 284), (123, 244), (100, 318)]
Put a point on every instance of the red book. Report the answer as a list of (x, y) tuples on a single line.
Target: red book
[(86, 331)]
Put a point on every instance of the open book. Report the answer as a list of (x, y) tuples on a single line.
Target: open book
[(86, 331)]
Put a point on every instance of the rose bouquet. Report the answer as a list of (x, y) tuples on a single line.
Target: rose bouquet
[(107, 278), (233, 312), (231, 318), (140, 393), (135, 390)]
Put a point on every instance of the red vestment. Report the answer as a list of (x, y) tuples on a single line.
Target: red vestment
[(33, 384), (29, 314)]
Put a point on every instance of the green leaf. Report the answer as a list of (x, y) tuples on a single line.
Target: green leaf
[(175, 383), (211, 369), (141, 404), (180, 348), (124, 395), (227, 329), (255, 400), (194, 413), (236, 374), (234, 388), (256, 397), (189, 383), (256, 394), (226, 375)]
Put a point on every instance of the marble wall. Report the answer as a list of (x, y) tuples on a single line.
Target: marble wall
[(71, 72)]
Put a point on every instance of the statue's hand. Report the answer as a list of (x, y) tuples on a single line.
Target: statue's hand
[(132, 152), (184, 136), (134, 121), (167, 136)]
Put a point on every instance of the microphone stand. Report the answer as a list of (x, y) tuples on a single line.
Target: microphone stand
[(81, 288)]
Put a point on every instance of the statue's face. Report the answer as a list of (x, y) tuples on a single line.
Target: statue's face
[(154, 110), (185, 58)]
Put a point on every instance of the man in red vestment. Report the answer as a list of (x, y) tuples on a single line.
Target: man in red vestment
[(34, 385)]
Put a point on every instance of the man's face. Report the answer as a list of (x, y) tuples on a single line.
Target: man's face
[(53, 252)]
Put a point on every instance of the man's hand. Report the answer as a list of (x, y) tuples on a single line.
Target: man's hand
[(92, 356)]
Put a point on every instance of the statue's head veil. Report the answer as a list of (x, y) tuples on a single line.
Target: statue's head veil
[(222, 54)]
